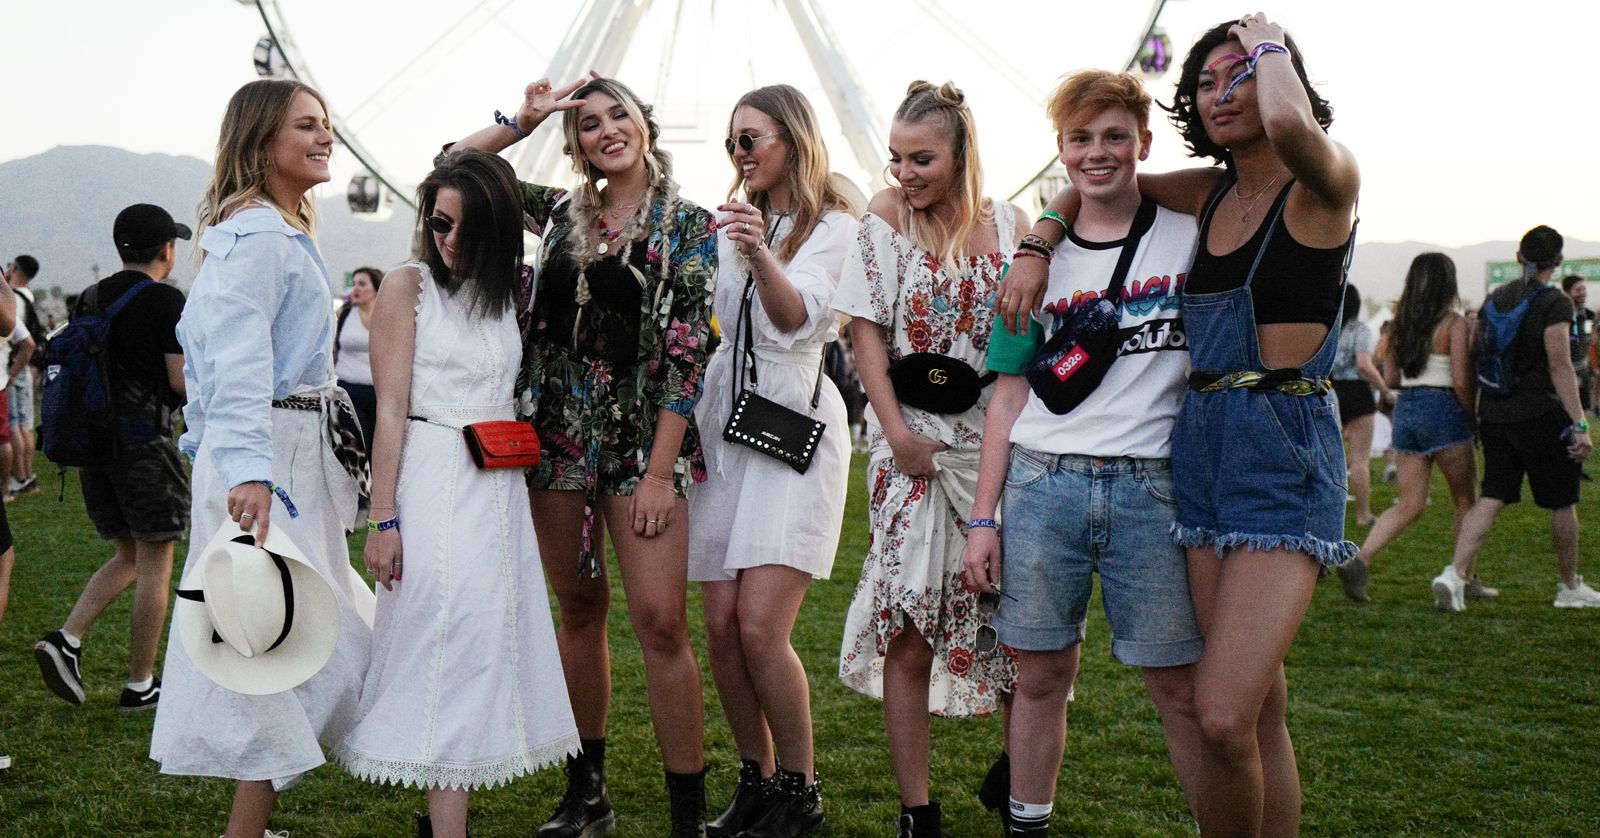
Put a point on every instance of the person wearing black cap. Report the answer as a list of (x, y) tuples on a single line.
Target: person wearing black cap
[(1538, 428), (139, 500)]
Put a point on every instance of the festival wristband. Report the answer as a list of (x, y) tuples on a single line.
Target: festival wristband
[(983, 523), (1052, 215), (1266, 47), (383, 526), (282, 495), (1582, 425), (510, 122)]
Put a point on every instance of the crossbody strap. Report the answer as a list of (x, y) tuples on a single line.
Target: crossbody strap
[(744, 340), (1142, 222)]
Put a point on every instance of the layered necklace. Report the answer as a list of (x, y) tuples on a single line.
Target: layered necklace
[(608, 235), (1240, 198)]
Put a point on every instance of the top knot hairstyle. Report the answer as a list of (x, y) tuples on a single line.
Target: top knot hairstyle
[(1185, 113), (947, 104), (489, 236)]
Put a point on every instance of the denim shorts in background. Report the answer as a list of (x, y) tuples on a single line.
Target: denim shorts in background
[(1070, 516), (1428, 420)]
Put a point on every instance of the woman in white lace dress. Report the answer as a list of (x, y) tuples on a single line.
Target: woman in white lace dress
[(465, 690), (921, 279)]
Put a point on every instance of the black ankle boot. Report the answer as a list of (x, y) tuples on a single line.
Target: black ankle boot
[(749, 802), (920, 821), (995, 793), (795, 809), (585, 810), (686, 797)]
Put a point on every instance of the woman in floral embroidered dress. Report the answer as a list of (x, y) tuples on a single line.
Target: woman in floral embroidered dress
[(921, 279), (611, 373)]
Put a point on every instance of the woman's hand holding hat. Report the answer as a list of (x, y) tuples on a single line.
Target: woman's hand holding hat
[(249, 505)]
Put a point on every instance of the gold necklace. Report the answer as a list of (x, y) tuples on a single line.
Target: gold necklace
[(1255, 197), (606, 233)]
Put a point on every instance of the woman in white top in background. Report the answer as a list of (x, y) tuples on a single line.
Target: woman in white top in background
[(1428, 356), (762, 531), (352, 335)]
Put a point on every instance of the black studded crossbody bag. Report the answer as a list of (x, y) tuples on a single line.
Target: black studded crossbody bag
[(761, 424)]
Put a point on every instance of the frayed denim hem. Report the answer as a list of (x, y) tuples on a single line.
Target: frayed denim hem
[(1327, 553)]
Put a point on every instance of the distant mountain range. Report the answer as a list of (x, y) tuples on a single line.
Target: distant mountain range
[(59, 206)]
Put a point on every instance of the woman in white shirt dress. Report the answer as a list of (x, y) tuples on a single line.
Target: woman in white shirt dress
[(257, 336), (465, 690), (759, 531)]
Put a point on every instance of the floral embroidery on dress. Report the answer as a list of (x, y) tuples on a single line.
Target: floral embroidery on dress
[(912, 572)]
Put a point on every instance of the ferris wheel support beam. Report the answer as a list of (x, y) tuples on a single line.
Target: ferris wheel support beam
[(272, 18), (848, 98), (597, 41)]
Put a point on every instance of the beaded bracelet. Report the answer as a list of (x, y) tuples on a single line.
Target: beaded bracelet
[(1052, 215), (383, 526), (510, 122), (983, 523), (1028, 251)]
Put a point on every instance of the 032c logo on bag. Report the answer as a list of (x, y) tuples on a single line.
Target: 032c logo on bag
[(1070, 363)]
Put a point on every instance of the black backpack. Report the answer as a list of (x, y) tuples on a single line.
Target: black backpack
[(79, 427), (29, 312)]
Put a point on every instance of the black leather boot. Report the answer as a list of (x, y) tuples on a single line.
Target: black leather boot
[(749, 802), (686, 797), (585, 810), (795, 809), (995, 793), (920, 821)]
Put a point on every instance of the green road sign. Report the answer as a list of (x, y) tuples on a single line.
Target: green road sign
[(1503, 272)]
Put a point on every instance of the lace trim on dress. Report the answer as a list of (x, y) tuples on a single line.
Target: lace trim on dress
[(426, 775)]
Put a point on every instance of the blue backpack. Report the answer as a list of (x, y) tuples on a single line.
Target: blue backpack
[(1492, 356), (79, 427)]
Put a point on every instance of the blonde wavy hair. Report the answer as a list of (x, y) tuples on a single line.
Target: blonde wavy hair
[(254, 115), (948, 104), (811, 185), (586, 204)]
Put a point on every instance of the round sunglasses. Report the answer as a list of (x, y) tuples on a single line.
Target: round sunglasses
[(745, 142), (441, 225)]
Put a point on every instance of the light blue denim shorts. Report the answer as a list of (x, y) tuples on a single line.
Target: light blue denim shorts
[(1068, 517), (1428, 420)]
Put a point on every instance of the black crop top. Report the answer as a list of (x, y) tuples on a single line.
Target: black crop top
[(1293, 284)]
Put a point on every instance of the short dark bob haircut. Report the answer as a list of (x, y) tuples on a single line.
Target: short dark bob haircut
[(489, 249), (1185, 114)]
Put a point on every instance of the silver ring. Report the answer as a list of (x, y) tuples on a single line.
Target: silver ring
[(745, 228), (246, 515)]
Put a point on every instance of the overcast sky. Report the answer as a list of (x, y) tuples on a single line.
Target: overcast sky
[(1468, 124)]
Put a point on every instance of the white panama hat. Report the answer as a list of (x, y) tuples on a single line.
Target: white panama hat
[(262, 619)]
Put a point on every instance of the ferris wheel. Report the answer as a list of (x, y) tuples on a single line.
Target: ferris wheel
[(397, 87)]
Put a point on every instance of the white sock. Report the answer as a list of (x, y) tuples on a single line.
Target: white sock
[(1030, 813), (72, 639), (141, 686)]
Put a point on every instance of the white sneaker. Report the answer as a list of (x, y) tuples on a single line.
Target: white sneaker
[(1449, 590), (1581, 596), (5, 761)]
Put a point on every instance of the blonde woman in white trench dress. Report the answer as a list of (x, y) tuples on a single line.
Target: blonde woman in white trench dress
[(257, 330), (759, 531), (465, 690)]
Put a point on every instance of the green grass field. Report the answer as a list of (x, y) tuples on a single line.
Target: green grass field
[(1407, 721)]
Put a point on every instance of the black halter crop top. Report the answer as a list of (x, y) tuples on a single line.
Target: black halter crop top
[(1293, 284)]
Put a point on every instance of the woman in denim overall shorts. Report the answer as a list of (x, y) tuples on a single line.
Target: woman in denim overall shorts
[(1256, 453)]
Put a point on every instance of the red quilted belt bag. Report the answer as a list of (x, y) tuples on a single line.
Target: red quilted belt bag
[(499, 443)]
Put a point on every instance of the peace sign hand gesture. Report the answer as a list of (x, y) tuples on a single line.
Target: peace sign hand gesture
[(540, 100)]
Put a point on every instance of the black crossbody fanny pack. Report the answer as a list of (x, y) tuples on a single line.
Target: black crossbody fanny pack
[(1075, 359), (937, 383)]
